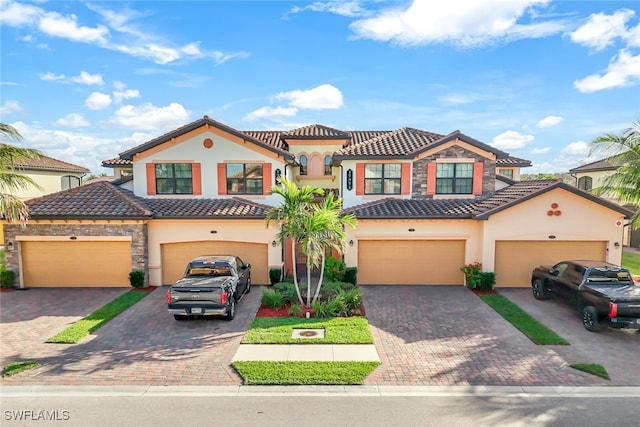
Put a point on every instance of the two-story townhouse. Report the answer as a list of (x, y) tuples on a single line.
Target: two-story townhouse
[(426, 204)]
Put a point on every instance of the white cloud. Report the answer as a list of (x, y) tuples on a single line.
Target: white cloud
[(549, 121), (541, 150), (623, 70), (88, 79), (66, 27), (323, 97), (459, 98), (342, 8), (11, 107), (151, 118), (18, 14), (50, 77), (601, 30), (576, 149), (465, 23), (512, 140), (118, 96), (268, 112), (98, 101), (73, 120), (571, 156)]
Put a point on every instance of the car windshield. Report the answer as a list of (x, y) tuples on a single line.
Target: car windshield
[(207, 270), (609, 276)]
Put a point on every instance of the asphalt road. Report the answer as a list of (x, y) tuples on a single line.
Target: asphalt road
[(545, 407)]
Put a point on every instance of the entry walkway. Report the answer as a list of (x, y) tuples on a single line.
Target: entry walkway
[(307, 352)]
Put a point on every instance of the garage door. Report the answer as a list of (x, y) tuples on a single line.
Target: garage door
[(76, 263), (516, 259), (175, 257), (410, 262)]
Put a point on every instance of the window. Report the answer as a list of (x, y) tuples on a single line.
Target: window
[(70, 181), (244, 178), (585, 183), (382, 178), (173, 178), (327, 165), (454, 178), (303, 165), (506, 172)]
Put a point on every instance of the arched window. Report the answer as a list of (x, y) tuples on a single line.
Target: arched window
[(327, 165), (70, 181), (585, 183), (303, 165)]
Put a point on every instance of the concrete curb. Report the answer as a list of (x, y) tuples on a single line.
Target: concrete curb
[(320, 390)]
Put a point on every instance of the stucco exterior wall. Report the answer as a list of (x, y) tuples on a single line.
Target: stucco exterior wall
[(192, 149), (50, 181), (529, 221), (173, 231), (424, 229), (350, 198)]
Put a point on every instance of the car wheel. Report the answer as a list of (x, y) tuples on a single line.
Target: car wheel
[(180, 317), (231, 309), (590, 319), (248, 285), (538, 290)]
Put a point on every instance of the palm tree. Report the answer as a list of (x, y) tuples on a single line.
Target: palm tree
[(296, 204), (13, 208), (623, 150)]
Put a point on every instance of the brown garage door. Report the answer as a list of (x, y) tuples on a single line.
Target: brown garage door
[(76, 263), (516, 259), (175, 257), (410, 262)]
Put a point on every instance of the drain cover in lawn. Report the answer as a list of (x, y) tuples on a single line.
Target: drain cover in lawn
[(308, 333)]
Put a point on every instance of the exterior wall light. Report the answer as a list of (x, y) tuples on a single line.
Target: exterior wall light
[(214, 232), (616, 244), (73, 238), (351, 242), (274, 243), (552, 236), (9, 245), (411, 230)]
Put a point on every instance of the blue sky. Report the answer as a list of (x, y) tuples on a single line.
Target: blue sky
[(84, 81)]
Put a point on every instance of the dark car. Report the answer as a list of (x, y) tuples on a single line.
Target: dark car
[(603, 293), (211, 286)]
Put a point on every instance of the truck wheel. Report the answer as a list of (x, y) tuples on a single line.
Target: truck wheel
[(180, 317), (231, 309), (590, 319), (538, 290)]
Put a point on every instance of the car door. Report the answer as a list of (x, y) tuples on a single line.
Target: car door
[(569, 282), (241, 268), (556, 274)]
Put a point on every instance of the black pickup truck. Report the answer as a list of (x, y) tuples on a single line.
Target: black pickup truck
[(603, 293), (211, 285)]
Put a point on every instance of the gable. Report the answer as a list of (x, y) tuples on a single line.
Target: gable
[(478, 151)]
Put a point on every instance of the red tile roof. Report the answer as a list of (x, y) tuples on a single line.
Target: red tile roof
[(607, 164), (49, 163)]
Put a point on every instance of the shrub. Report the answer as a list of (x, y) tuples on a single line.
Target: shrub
[(287, 291), (272, 299), (329, 290), (7, 278), (351, 275), (472, 274), (275, 274), (295, 310), (487, 281), (136, 278), (351, 300), (321, 309), (334, 269)]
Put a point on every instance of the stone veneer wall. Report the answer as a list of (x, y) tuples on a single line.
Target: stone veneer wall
[(419, 190), (138, 233)]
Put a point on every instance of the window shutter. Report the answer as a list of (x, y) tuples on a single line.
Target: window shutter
[(478, 171), (266, 178), (151, 179), (222, 179), (406, 179), (431, 179), (359, 179), (196, 178)]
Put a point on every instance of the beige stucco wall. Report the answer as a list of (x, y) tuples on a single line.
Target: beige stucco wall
[(597, 177), (580, 219), (50, 181), (191, 149), (172, 231), (425, 229)]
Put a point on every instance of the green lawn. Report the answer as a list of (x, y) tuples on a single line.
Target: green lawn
[(338, 330), (534, 330), (593, 369), (17, 367), (304, 373), (98, 318), (632, 262)]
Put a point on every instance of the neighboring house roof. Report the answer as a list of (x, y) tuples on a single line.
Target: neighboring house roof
[(105, 200), (51, 164), (117, 162), (315, 131), (600, 165), (513, 162)]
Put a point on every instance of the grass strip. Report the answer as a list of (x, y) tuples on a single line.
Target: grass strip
[(534, 330), (304, 373), (74, 333), (17, 367), (338, 330), (632, 262), (593, 369)]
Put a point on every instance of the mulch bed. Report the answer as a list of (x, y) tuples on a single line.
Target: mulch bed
[(479, 292), (7, 289), (264, 311), (148, 289)]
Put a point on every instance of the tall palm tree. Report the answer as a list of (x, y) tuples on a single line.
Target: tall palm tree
[(623, 150), (296, 204), (13, 208)]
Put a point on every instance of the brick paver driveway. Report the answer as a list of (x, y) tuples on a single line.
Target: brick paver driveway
[(445, 335), (144, 345)]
